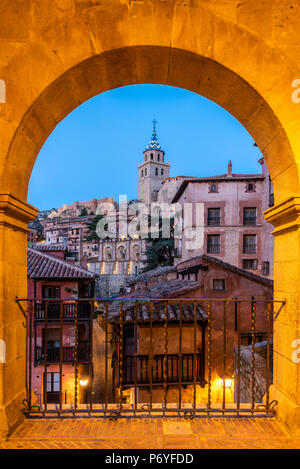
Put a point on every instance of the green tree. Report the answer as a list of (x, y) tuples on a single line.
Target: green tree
[(83, 212), (91, 228), (160, 251)]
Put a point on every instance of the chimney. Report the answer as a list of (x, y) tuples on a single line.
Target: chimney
[(229, 169)]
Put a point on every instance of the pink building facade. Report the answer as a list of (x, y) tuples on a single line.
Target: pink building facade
[(50, 277), (235, 230)]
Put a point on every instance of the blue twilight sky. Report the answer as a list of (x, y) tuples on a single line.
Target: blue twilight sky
[(95, 150)]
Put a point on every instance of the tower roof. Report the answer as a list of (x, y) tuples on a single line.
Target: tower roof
[(154, 144)]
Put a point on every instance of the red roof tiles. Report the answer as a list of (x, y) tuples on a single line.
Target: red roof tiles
[(41, 265)]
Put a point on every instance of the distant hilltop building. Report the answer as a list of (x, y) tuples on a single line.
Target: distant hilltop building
[(77, 208)]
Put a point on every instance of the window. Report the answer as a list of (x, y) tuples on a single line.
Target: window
[(145, 171), (249, 216), (250, 264), (51, 292), (246, 337), (213, 244), (158, 157), (218, 284), (213, 188), (53, 387), (162, 172), (151, 156), (266, 268), (214, 216), (250, 187), (156, 171), (142, 173), (249, 244), (53, 338), (145, 157)]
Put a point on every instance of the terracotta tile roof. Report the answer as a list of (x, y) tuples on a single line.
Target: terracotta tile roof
[(47, 247), (41, 265), (154, 273), (170, 289), (198, 261), (221, 177)]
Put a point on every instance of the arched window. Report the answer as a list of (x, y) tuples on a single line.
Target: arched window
[(158, 157), (151, 155), (162, 171), (156, 171)]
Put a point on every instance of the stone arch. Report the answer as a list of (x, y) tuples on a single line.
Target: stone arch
[(107, 253), (121, 252), (56, 58), (135, 252)]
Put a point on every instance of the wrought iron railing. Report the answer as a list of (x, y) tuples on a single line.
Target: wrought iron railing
[(176, 368), (68, 354), (147, 356)]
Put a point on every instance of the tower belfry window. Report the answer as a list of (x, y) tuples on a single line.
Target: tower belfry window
[(158, 157), (151, 155)]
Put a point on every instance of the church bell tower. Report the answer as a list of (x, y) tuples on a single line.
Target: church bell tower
[(153, 170)]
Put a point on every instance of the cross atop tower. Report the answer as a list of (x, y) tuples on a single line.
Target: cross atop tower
[(153, 170), (154, 126)]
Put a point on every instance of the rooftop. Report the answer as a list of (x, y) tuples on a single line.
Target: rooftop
[(198, 260), (221, 177), (44, 266)]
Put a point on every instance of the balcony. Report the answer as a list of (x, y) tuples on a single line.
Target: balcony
[(178, 369), (68, 354), (188, 373), (53, 310)]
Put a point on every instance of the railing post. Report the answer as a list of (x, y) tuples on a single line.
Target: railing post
[(195, 358), (224, 355), (209, 357), (253, 314), (91, 354), (106, 355), (150, 365), (239, 355), (61, 353), (180, 357), (165, 353), (45, 356), (269, 310), (135, 352), (76, 357), (121, 353)]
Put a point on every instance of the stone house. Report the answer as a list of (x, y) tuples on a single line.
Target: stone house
[(51, 277), (191, 286)]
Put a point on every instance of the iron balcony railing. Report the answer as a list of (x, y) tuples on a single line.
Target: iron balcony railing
[(68, 354), (177, 368), (150, 357), (53, 310)]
